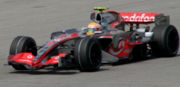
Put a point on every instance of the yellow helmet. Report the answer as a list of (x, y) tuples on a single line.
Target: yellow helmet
[(92, 27)]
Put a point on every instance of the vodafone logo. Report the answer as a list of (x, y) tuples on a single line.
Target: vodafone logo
[(139, 17)]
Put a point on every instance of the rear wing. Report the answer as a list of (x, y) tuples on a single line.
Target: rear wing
[(144, 18)]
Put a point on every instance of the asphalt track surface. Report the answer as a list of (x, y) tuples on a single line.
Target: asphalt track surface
[(38, 18)]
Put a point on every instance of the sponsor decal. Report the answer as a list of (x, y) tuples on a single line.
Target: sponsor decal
[(29, 56), (50, 43), (121, 48), (139, 17)]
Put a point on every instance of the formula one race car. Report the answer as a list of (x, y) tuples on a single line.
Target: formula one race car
[(106, 40)]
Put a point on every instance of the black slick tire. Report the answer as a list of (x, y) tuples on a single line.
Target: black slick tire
[(88, 54), (22, 44), (165, 41)]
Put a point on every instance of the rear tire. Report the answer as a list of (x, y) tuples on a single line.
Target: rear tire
[(88, 54), (22, 44), (165, 41)]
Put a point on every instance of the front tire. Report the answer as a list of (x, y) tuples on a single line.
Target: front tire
[(88, 54), (22, 44)]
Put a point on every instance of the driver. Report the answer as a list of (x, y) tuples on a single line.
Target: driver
[(94, 28)]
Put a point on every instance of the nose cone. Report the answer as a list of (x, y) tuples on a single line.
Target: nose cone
[(22, 58)]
